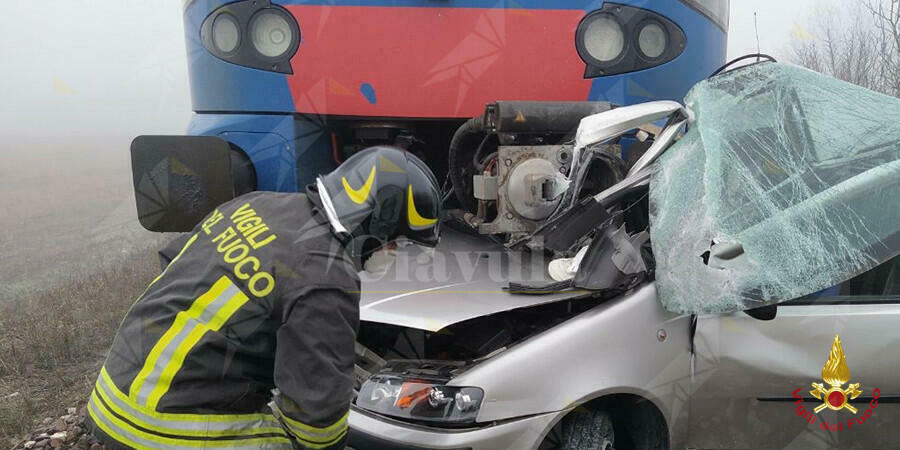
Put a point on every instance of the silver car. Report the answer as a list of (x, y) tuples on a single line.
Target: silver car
[(739, 288)]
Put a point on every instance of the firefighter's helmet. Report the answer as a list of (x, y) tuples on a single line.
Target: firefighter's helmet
[(381, 194)]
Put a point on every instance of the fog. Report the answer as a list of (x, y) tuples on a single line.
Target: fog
[(80, 78), (86, 67), (779, 23)]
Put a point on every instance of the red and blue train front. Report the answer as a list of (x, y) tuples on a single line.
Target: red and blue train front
[(296, 84)]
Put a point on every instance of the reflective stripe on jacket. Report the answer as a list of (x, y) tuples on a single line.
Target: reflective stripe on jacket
[(261, 295)]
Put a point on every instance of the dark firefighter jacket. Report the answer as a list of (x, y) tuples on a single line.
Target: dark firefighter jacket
[(260, 296)]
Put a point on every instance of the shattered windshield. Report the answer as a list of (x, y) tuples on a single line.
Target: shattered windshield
[(786, 183)]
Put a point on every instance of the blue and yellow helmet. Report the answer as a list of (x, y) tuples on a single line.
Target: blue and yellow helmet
[(381, 194)]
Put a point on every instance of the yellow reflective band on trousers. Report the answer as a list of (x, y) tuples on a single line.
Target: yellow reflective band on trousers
[(207, 313), (132, 436), (314, 437), (198, 425)]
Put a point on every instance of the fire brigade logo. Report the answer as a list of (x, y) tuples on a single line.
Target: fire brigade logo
[(836, 373)]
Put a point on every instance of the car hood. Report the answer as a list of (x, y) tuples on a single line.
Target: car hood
[(464, 278)]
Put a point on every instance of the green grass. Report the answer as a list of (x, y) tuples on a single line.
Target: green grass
[(54, 339)]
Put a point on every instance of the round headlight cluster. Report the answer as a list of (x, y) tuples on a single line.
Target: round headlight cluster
[(252, 33), (271, 33), (620, 38)]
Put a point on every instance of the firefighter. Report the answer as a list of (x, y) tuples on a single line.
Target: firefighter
[(246, 339)]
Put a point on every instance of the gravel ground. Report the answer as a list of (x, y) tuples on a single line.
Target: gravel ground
[(66, 431)]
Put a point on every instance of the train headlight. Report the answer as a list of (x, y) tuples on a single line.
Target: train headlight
[(652, 40), (226, 33), (271, 33), (604, 38), (252, 33), (621, 38)]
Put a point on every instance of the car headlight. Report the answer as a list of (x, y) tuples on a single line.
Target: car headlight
[(420, 400)]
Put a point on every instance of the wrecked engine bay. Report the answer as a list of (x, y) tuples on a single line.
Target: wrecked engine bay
[(507, 269), (487, 285), (552, 223)]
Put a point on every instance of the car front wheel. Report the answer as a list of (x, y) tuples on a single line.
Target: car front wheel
[(582, 429)]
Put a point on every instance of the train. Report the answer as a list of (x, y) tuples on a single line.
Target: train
[(284, 90)]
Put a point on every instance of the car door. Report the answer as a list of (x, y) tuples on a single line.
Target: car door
[(748, 373)]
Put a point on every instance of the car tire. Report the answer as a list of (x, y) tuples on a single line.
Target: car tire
[(585, 429)]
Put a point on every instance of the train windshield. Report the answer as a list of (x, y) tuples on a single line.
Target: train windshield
[(716, 10)]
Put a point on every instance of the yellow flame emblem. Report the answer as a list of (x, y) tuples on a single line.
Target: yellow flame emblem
[(416, 221), (359, 196), (836, 373)]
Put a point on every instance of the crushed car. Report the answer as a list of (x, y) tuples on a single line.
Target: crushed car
[(685, 296)]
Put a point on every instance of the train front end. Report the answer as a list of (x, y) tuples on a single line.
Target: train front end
[(286, 89)]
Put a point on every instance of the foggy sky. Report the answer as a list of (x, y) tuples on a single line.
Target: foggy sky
[(119, 66), (93, 66)]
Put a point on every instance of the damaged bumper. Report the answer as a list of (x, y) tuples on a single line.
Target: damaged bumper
[(368, 431)]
